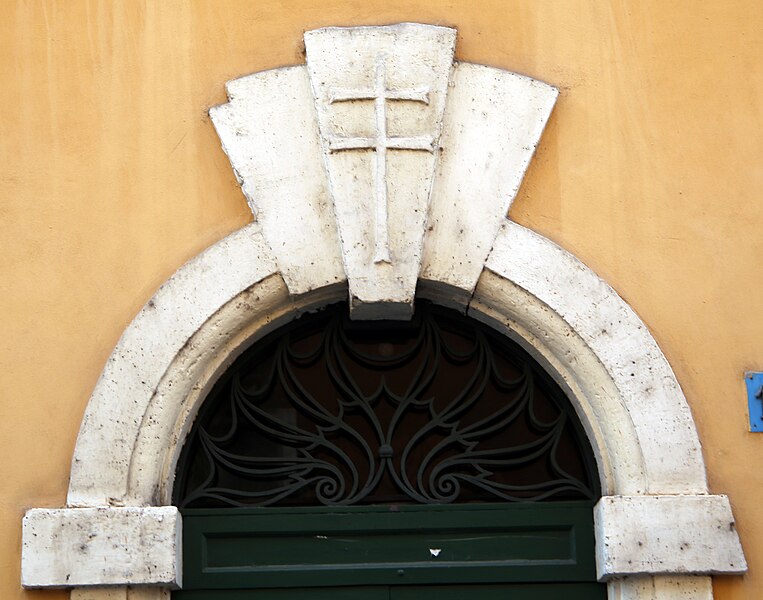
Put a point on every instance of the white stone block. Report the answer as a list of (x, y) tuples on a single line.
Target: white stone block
[(380, 97), (120, 593), (666, 534), (99, 593), (493, 122), (159, 332), (644, 379), (661, 587), (71, 547), (270, 134)]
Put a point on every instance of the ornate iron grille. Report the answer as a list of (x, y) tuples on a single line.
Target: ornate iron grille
[(327, 411)]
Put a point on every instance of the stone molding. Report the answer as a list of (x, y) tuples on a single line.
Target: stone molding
[(643, 381), (307, 249)]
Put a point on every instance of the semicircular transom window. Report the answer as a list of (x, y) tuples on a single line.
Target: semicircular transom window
[(328, 411)]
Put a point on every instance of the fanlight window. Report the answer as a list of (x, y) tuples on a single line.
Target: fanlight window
[(328, 411)]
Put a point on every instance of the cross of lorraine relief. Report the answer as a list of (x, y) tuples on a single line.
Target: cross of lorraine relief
[(393, 165), (380, 171), (381, 142)]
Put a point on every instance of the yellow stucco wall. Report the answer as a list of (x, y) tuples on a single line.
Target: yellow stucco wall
[(111, 176)]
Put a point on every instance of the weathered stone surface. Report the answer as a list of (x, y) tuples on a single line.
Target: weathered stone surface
[(661, 587), (270, 134), (161, 331), (101, 546), (638, 535), (99, 593), (645, 382), (522, 316), (493, 121), (120, 593), (380, 96)]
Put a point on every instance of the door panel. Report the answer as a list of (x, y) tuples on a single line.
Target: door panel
[(370, 545)]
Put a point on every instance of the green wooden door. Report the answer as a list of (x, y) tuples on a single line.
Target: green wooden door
[(397, 460), (518, 551)]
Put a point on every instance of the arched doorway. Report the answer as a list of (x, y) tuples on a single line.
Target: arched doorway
[(659, 532), (385, 459), (605, 360)]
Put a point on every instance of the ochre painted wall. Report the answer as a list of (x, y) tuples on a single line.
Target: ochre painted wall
[(111, 176)]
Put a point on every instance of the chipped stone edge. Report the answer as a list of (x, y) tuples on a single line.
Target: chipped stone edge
[(269, 131)]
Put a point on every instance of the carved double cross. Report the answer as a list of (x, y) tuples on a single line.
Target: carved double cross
[(380, 143)]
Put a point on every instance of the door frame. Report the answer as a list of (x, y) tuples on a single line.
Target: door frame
[(659, 533), (144, 402)]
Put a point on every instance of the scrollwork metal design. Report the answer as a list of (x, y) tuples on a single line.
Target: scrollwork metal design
[(332, 412)]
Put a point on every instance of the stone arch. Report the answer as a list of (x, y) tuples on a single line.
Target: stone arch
[(148, 393), (587, 337)]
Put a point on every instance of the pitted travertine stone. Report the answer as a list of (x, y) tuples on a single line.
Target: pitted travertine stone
[(380, 96), (270, 134), (493, 121), (112, 546), (520, 315), (661, 587), (253, 313), (120, 593), (158, 334), (645, 382), (637, 535)]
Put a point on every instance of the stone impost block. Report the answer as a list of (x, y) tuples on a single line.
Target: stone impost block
[(639, 535), (73, 547)]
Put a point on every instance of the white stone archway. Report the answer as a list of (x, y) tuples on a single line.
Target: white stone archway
[(313, 165)]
